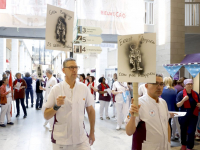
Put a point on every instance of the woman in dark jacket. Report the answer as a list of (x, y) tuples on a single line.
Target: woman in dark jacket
[(104, 98), (19, 93), (29, 89)]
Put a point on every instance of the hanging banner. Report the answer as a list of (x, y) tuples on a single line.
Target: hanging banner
[(113, 16), (87, 49), (2, 4), (39, 72), (59, 29), (29, 13), (137, 58), (89, 30), (177, 75), (193, 69), (172, 70)]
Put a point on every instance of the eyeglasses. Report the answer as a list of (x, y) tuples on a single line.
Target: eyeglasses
[(73, 67), (158, 83)]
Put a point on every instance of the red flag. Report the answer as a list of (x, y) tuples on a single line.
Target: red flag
[(2, 4), (11, 86)]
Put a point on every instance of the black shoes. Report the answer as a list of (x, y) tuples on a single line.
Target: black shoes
[(38, 108), (25, 116), (2, 125), (26, 106), (10, 123), (31, 105), (17, 115)]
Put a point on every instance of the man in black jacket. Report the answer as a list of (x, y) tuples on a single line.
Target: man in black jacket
[(39, 94)]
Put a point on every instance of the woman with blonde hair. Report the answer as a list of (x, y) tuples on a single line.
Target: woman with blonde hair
[(169, 95)]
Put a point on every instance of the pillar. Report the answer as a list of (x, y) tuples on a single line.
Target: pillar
[(21, 58), (2, 55), (14, 56)]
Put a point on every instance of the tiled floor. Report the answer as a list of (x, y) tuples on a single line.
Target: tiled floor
[(30, 134)]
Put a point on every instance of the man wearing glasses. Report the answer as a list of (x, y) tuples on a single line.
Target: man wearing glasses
[(67, 102), (150, 129)]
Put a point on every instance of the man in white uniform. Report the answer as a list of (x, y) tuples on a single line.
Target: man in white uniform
[(150, 129), (6, 100), (66, 103), (49, 84), (142, 90)]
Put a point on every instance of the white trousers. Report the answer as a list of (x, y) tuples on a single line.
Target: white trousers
[(114, 110), (175, 126), (104, 104), (122, 111), (5, 111), (83, 146)]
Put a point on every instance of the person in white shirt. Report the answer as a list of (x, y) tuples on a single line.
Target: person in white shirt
[(150, 130), (121, 92), (142, 90), (66, 103), (92, 87), (83, 79), (49, 84)]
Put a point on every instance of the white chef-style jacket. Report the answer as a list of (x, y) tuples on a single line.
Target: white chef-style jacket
[(68, 128), (156, 116), (142, 90), (49, 84), (119, 87)]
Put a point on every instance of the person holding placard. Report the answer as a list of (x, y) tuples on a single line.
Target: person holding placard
[(121, 92), (150, 130), (92, 87), (104, 97), (188, 101), (67, 102)]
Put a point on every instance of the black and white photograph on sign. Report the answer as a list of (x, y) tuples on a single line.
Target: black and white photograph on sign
[(79, 29), (137, 58), (79, 38), (77, 49), (39, 72), (59, 28)]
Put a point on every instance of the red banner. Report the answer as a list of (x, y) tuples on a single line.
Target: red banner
[(2, 4)]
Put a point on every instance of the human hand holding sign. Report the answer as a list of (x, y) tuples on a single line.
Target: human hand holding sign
[(60, 100), (133, 109)]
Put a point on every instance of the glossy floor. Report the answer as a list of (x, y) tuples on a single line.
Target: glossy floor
[(30, 134)]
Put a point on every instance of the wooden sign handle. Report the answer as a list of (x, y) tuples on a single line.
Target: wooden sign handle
[(135, 96)]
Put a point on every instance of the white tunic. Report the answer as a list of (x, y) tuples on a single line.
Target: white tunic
[(49, 84), (119, 87), (156, 116), (69, 129), (142, 90)]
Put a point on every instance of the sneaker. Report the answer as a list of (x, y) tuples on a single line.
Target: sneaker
[(25, 116), (17, 115), (108, 118), (10, 123), (2, 125), (173, 139), (101, 118), (118, 127), (183, 147)]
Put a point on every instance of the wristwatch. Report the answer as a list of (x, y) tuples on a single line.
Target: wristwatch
[(56, 107)]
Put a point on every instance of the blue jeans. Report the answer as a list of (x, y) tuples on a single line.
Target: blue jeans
[(39, 100), (27, 95)]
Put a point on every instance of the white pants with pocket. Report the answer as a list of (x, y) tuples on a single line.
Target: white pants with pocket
[(175, 126), (122, 111), (5, 111), (82, 146), (104, 104)]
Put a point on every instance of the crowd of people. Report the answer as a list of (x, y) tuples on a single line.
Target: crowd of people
[(158, 104)]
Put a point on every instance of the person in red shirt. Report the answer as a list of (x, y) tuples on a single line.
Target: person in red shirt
[(6, 100)]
